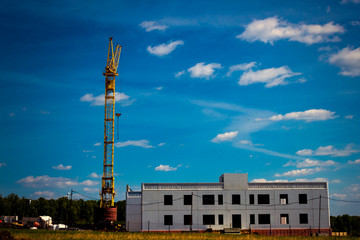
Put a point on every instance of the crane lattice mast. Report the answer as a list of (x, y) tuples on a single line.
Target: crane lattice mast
[(108, 188)]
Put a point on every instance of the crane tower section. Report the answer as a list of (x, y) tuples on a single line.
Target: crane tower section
[(108, 188)]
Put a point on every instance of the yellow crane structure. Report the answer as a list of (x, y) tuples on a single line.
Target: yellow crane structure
[(108, 188)]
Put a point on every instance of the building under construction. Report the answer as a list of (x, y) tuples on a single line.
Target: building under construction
[(233, 205)]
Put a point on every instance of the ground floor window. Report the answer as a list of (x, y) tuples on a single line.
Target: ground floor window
[(264, 218), (187, 219), (284, 218), (252, 218), (208, 219), (168, 220), (221, 219), (303, 218)]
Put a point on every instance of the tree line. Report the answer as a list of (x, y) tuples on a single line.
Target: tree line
[(64, 210), (61, 210)]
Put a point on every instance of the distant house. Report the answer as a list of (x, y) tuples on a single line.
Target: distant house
[(269, 208)]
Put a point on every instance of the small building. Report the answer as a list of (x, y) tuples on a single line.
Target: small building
[(8, 219), (269, 208)]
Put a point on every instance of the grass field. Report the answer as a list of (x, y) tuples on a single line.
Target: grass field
[(96, 235)]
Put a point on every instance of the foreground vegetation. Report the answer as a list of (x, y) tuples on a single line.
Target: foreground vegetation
[(96, 235)]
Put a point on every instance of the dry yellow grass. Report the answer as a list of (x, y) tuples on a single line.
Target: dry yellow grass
[(97, 235)]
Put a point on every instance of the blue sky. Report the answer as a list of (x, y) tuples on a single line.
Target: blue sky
[(268, 88)]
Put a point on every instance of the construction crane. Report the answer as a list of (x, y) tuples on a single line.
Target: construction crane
[(108, 189)]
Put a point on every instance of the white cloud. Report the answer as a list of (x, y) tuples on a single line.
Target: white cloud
[(164, 49), (299, 172), (2, 165), (46, 181), (311, 180), (348, 60), (91, 190), (349, 117), (62, 167), (350, 1), (200, 70), (11, 114), (308, 115), (339, 196), (89, 183), (355, 23), (271, 76), (44, 194), (166, 168), (100, 99), (273, 29), (95, 175), (97, 144), (240, 67), (357, 161), (44, 112), (159, 88), (336, 181), (227, 136), (247, 142), (260, 180), (161, 144), (139, 143), (177, 75), (152, 25), (314, 163), (329, 150)]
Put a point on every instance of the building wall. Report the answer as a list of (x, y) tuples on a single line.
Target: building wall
[(133, 211), (151, 208)]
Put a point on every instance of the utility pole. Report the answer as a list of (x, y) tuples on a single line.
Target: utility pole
[(319, 212)]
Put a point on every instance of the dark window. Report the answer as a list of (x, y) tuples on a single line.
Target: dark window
[(302, 198), (303, 218), (187, 200), (221, 219), (252, 218), (208, 219), (208, 199), (168, 200), (263, 199), (264, 218), (168, 220), (220, 199), (236, 199), (187, 219), (252, 199), (284, 199), (284, 218)]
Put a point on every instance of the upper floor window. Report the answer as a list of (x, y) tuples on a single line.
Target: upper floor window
[(236, 199), (220, 199), (208, 199), (168, 200), (252, 199), (284, 199), (187, 199), (302, 198), (263, 199)]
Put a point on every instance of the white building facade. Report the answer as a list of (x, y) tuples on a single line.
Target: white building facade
[(271, 208)]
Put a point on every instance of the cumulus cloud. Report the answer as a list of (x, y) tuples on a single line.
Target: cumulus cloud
[(152, 25), (348, 60), (357, 161), (159, 88), (97, 144), (261, 180), (299, 172), (46, 181), (166, 168), (329, 150), (179, 74), (2, 165), (271, 76), (138, 143), (311, 180), (164, 49), (240, 67), (336, 181), (227, 136), (308, 116), (62, 167), (91, 190), (200, 70), (100, 99), (339, 196), (44, 194), (95, 175), (273, 29), (314, 163)]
